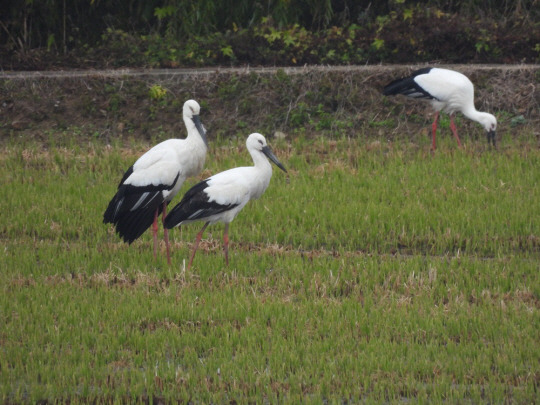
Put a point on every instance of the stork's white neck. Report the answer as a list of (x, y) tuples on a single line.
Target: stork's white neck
[(193, 135), (472, 113), (190, 126), (260, 160), (261, 172), (483, 118)]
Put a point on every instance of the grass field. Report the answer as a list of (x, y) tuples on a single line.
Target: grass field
[(374, 272)]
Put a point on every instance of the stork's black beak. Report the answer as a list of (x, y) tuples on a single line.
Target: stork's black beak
[(268, 152), (200, 128), (491, 137)]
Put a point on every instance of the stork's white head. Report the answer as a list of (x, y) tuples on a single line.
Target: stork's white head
[(257, 142), (191, 108), (489, 122)]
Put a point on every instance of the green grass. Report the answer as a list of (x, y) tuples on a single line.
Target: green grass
[(374, 272)]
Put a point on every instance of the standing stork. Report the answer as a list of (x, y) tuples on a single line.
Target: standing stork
[(155, 178), (221, 197), (448, 91)]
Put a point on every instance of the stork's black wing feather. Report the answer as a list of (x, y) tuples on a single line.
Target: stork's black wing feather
[(195, 205), (408, 86), (129, 198)]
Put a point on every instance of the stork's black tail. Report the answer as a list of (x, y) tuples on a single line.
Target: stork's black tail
[(132, 224), (408, 86), (133, 213)]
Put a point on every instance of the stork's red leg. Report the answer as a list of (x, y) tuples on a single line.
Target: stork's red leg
[(197, 240), (154, 231), (166, 232), (226, 243), (454, 129), (434, 130)]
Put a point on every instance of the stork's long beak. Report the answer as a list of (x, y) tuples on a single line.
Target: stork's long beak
[(268, 152), (491, 137), (200, 128)]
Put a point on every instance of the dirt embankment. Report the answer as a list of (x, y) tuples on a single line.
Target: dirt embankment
[(333, 101)]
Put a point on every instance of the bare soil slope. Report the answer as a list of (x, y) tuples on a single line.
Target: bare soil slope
[(332, 101)]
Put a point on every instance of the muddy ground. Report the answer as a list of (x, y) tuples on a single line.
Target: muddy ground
[(332, 101)]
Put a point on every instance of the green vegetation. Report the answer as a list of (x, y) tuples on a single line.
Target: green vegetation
[(154, 33), (375, 272)]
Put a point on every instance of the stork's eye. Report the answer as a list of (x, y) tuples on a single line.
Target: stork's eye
[(261, 142)]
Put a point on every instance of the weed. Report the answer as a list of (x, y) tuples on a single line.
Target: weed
[(157, 92)]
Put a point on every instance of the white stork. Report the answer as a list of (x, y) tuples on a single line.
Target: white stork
[(448, 91), (155, 178), (221, 197)]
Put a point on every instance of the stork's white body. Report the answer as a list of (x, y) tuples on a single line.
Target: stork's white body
[(168, 160), (452, 91), (230, 188)]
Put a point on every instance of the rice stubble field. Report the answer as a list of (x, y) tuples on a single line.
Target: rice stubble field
[(375, 272)]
